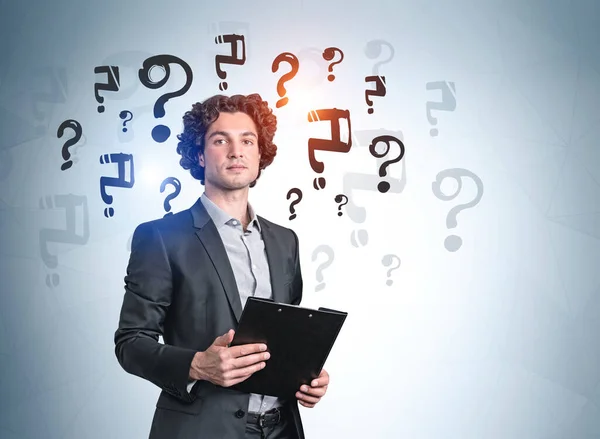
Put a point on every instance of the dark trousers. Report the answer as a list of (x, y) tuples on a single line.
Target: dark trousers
[(268, 430)]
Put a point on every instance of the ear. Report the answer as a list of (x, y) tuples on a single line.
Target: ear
[(201, 159)]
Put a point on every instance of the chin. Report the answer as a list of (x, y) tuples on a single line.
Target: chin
[(235, 185)]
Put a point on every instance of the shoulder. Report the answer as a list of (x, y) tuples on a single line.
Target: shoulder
[(276, 228), (166, 226), (283, 233)]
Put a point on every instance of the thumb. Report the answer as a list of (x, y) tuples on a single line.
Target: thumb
[(225, 339)]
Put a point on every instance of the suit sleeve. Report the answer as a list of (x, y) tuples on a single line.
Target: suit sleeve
[(297, 282), (148, 294)]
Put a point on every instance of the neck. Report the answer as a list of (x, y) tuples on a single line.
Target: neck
[(235, 203)]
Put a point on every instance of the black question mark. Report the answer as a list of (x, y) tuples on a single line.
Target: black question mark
[(75, 126), (161, 133), (384, 186), (298, 192), (338, 199)]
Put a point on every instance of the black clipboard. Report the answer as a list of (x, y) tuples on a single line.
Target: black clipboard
[(298, 339)]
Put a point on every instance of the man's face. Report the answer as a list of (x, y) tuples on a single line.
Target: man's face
[(231, 155)]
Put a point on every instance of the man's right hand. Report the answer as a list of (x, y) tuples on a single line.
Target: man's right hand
[(225, 366)]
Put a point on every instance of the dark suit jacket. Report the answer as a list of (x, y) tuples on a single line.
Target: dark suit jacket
[(180, 285)]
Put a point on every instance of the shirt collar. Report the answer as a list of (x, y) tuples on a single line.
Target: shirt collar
[(222, 218)]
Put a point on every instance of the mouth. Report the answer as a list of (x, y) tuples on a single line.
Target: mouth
[(236, 167)]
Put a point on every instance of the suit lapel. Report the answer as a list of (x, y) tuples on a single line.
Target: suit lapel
[(211, 240), (274, 258)]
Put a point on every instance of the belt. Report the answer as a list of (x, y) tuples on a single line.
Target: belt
[(266, 419)]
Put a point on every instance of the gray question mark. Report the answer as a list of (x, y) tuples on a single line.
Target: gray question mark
[(453, 242), (329, 253), (315, 55), (448, 101), (373, 50), (353, 181), (68, 235), (387, 261)]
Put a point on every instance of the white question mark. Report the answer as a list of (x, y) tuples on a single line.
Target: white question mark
[(329, 253), (453, 242), (387, 261)]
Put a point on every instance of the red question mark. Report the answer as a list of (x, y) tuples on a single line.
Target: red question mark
[(328, 54)]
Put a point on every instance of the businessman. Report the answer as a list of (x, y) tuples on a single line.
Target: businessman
[(189, 276)]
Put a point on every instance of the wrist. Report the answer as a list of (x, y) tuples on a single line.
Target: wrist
[(195, 368)]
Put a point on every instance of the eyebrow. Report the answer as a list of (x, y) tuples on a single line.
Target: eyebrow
[(226, 134)]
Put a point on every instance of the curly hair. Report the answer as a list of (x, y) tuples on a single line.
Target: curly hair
[(197, 121)]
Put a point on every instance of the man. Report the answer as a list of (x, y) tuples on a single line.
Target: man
[(190, 274)]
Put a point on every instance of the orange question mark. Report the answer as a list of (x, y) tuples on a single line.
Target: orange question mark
[(291, 59)]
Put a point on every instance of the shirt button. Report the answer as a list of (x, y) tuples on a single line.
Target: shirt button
[(239, 414), (234, 223), (253, 267)]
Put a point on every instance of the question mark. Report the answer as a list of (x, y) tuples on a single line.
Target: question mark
[(338, 199), (387, 261), (448, 101), (384, 186), (161, 133), (305, 56), (329, 253), (232, 40), (123, 115), (113, 84), (373, 50), (167, 203), (298, 192), (380, 90), (292, 60), (329, 54), (453, 242), (75, 126)]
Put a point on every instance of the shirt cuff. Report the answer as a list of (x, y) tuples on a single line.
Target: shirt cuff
[(190, 385)]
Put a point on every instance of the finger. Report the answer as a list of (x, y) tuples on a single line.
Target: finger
[(247, 349), (323, 375), (225, 339), (320, 381), (234, 381), (307, 405), (244, 372), (248, 360), (313, 391), (306, 398)]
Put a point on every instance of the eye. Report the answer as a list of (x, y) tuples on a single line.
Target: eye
[(220, 141), (248, 142)]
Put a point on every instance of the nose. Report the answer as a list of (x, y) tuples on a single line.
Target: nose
[(235, 149)]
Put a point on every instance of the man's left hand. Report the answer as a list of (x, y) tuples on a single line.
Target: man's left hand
[(309, 396)]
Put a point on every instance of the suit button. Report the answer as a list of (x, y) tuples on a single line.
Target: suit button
[(239, 414)]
